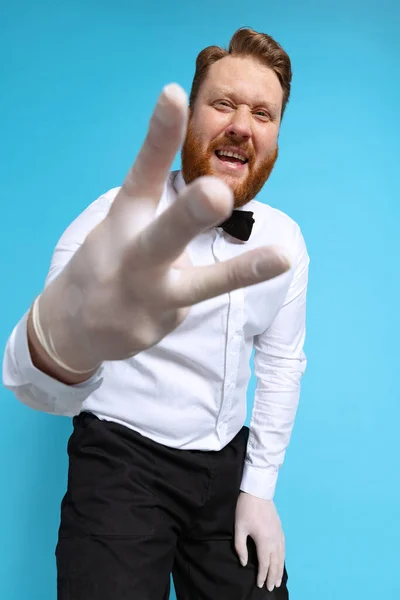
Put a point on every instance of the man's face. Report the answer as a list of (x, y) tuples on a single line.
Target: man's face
[(237, 110)]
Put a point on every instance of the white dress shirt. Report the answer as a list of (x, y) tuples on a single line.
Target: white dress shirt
[(189, 391)]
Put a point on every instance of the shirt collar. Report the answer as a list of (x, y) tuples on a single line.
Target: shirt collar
[(178, 182)]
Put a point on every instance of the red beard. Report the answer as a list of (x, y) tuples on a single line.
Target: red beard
[(197, 163)]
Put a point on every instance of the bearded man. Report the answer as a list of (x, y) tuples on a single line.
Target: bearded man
[(156, 297)]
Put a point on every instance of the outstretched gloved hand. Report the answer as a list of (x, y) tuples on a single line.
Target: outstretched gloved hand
[(131, 282)]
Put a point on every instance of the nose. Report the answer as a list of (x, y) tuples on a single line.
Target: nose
[(239, 127)]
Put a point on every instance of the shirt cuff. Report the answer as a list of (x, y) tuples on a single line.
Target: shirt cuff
[(260, 482), (59, 397)]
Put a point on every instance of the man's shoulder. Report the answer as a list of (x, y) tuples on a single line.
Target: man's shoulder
[(101, 203), (272, 216), (273, 226), (109, 196)]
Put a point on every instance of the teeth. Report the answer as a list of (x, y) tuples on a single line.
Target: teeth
[(233, 154)]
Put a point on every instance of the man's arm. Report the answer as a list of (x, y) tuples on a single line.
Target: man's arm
[(28, 371), (279, 364)]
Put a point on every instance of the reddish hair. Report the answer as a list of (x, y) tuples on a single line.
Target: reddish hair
[(246, 42)]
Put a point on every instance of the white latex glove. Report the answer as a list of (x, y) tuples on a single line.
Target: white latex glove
[(131, 282), (259, 519)]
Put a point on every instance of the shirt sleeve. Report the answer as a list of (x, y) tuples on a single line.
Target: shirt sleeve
[(30, 385), (279, 364)]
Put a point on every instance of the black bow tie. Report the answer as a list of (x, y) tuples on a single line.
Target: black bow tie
[(239, 224)]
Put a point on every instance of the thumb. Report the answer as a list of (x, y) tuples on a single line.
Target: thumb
[(241, 546)]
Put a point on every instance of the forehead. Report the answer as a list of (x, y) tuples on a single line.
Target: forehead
[(243, 77)]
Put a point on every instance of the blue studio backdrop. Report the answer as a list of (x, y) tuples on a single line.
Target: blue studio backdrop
[(78, 82)]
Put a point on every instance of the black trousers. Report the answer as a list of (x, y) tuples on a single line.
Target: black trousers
[(136, 511)]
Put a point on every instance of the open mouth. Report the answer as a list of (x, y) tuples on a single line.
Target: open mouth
[(234, 158)]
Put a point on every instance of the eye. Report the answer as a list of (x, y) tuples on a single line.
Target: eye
[(223, 104), (263, 114)]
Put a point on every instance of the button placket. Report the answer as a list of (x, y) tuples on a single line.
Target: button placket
[(234, 339)]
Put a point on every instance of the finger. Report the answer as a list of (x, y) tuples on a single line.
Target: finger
[(273, 571), (165, 135), (263, 565), (201, 283), (281, 566), (241, 546), (202, 204)]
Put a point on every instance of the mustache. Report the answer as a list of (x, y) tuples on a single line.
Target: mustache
[(245, 147)]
